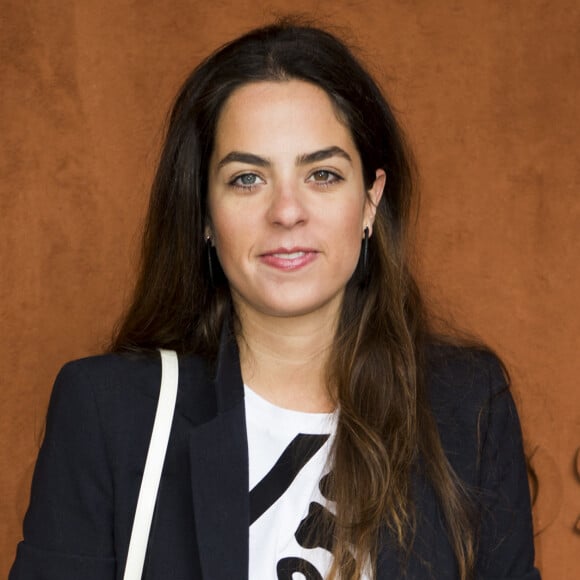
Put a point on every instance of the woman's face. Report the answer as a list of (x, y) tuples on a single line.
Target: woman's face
[(287, 202)]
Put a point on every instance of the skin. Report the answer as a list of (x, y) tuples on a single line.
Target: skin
[(288, 208)]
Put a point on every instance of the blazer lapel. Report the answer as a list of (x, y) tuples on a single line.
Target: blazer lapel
[(219, 474)]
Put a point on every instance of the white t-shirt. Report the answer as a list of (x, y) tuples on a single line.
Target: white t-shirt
[(288, 453)]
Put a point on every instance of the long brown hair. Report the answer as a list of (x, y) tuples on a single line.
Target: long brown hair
[(385, 429)]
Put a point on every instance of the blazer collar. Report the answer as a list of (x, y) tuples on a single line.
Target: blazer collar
[(228, 380), (219, 473)]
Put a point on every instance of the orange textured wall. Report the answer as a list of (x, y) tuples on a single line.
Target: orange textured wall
[(489, 93)]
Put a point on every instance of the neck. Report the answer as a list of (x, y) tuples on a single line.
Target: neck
[(284, 359)]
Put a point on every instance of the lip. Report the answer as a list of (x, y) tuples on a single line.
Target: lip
[(289, 259)]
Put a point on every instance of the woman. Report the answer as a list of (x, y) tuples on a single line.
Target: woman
[(320, 426)]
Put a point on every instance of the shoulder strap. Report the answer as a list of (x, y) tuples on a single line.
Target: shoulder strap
[(153, 466)]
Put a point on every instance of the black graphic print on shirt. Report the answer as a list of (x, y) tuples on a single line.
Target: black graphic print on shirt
[(301, 449), (316, 529)]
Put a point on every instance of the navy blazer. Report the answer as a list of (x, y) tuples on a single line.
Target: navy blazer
[(89, 470)]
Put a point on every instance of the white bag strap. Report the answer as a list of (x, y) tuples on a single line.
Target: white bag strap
[(153, 466)]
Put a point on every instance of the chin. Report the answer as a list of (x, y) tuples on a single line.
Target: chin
[(294, 308)]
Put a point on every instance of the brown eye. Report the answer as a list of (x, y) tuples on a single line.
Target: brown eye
[(321, 175), (324, 176)]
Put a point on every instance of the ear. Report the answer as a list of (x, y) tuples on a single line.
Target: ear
[(373, 198)]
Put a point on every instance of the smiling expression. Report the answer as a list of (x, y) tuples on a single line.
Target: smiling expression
[(287, 202)]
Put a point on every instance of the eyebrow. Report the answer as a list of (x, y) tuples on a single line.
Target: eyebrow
[(304, 159), (321, 155)]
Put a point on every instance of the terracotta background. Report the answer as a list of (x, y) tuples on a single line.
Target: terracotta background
[(489, 93)]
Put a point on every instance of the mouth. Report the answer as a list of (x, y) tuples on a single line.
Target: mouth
[(289, 259), (289, 255)]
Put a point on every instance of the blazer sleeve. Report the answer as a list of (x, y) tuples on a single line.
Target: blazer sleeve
[(506, 544), (68, 529)]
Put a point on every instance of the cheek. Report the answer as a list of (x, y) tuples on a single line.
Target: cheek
[(226, 238), (344, 231), (351, 241), (232, 237), (347, 225)]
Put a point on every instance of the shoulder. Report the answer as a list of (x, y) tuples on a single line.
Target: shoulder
[(80, 381), (473, 367), (86, 390), (463, 379), (119, 383), (107, 371), (468, 389), (111, 367)]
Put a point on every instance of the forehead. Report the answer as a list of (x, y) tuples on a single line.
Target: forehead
[(274, 114)]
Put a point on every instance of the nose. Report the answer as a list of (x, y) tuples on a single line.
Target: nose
[(287, 207)]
